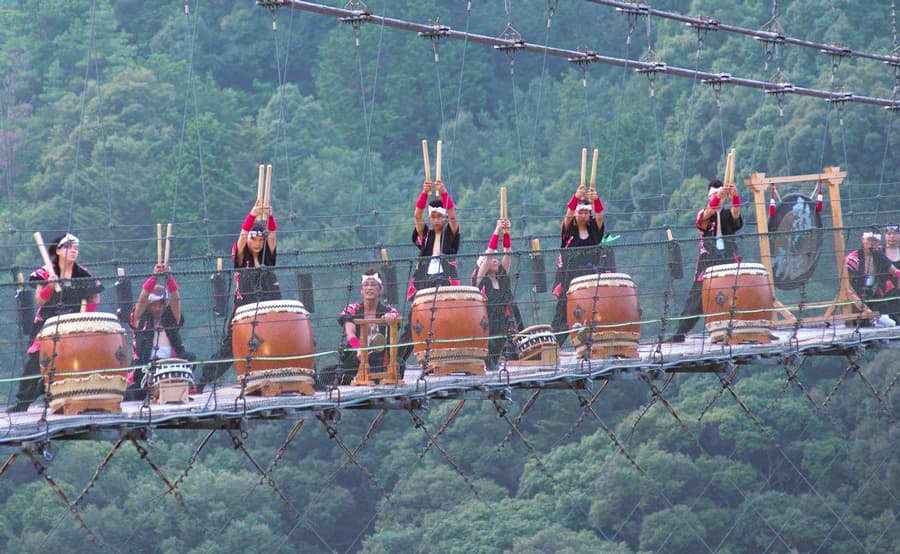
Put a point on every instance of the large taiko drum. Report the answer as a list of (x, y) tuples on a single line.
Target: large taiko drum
[(532, 341), (450, 330), (171, 381), (81, 357), (604, 314), (273, 344), (738, 303)]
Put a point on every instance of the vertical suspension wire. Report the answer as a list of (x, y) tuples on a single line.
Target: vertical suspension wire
[(459, 89), (529, 172), (691, 102), (281, 134), (87, 69), (368, 116)]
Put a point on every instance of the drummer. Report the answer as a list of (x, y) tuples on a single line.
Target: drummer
[(371, 307), (255, 281), (491, 276), (873, 278), (717, 227), (76, 285), (156, 322), (437, 241), (582, 231)]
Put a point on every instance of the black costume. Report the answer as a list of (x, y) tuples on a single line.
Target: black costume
[(503, 317), (144, 345), (82, 286), (432, 271), (713, 251), (877, 290), (578, 257), (252, 284)]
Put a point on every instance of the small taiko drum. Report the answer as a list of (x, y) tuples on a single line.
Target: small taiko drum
[(171, 381), (273, 344), (604, 314), (532, 341), (81, 357), (738, 303), (450, 330)]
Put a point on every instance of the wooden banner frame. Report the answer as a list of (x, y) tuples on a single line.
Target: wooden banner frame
[(832, 177)]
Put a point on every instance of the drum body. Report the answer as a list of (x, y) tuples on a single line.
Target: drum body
[(92, 342), (743, 289), (603, 311), (531, 341), (450, 330), (171, 381), (273, 329)]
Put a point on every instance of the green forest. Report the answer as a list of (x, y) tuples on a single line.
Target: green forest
[(118, 115)]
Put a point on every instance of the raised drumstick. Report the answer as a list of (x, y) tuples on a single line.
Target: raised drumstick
[(594, 167), (260, 184), (437, 162), (158, 243), (168, 242), (267, 194), (46, 257), (583, 165), (503, 203), (426, 160), (384, 256)]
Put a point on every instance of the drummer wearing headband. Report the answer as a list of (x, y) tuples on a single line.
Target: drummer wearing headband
[(437, 241), (717, 227), (156, 322), (873, 278), (582, 231), (254, 258), (371, 307), (491, 276), (77, 284)]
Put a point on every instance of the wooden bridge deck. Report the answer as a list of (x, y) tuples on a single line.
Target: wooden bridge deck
[(224, 407)]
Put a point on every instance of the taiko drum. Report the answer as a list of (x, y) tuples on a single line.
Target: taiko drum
[(603, 309), (272, 329), (738, 303), (450, 329), (81, 356), (530, 341)]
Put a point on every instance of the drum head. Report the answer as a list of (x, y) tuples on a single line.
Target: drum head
[(796, 236)]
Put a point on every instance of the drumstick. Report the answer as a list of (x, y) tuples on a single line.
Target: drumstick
[(583, 165), (729, 168), (594, 167), (535, 245), (668, 234), (425, 159), (259, 186), (218, 265), (437, 162), (21, 280), (158, 243), (168, 241), (503, 202), (384, 256), (267, 195), (46, 257)]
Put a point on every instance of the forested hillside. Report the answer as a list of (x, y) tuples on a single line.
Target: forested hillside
[(115, 116)]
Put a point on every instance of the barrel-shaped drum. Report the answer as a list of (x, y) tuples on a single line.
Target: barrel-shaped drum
[(531, 341), (272, 329), (171, 381), (81, 357), (450, 329), (738, 303), (604, 314)]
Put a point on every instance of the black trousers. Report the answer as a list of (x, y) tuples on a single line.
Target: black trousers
[(30, 389), (693, 307)]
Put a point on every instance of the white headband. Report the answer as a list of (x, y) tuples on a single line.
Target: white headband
[(372, 277), (580, 207), (441, 210), (875, 236), (66, 240)]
